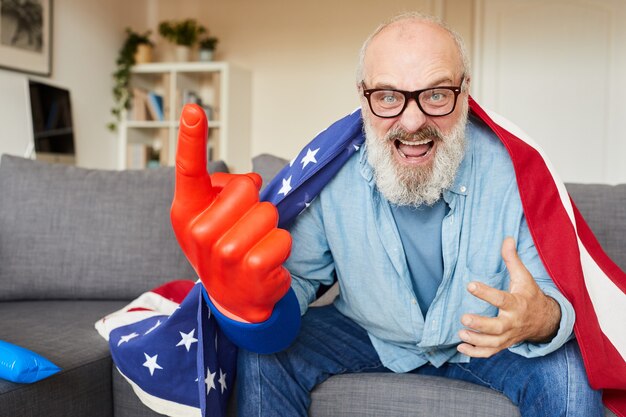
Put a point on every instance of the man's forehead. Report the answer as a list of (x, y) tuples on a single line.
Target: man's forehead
[(404, 41), (423, 49)]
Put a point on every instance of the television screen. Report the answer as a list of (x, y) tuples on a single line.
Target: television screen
[(52, 119)]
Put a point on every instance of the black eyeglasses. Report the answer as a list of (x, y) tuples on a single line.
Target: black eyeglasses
[(434, 102)]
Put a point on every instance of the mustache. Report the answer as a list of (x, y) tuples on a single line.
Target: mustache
[(427, 132)]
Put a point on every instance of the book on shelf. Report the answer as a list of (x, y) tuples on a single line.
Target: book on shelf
[(190, 96), (141, 156), (139, 105), (136, 156), (155, 106)]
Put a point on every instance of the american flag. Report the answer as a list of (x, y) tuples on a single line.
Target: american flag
[(582, 271), (155, 342)]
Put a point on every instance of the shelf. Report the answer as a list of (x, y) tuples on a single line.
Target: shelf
[(221, 88), (151, 124), (162, 67)]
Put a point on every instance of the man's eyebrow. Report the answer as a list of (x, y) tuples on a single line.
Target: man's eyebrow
[(443, 81), (386, 86)]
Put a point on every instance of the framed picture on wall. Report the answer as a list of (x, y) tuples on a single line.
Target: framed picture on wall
[(26, 35)]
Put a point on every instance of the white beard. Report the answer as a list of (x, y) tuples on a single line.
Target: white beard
[(414, 186)]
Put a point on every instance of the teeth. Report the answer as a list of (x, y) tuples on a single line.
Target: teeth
[(414, 143)]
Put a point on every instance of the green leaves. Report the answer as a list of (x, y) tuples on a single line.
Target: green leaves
[(121, 77), (185, 32)]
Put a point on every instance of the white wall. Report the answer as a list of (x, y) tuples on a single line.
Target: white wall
[(562, 81), (87, 37), (302, 58), (16, 137)]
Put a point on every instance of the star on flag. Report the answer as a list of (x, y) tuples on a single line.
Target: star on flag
[(126, 338), (187, 339), (309, 157), (286, 186), (222, 380), (209, 381), (151, 363)]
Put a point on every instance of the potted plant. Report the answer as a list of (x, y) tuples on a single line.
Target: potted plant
[(207, 47), (127, 57), (184, 34)]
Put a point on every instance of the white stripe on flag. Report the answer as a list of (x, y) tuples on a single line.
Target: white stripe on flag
[(155, 305)]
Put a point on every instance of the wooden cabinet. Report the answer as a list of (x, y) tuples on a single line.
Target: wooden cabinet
[(149, 130)]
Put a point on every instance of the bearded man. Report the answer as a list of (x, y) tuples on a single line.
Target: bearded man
[(424, 231)]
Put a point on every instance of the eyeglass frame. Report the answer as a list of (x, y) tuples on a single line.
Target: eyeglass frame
[(408, 95)]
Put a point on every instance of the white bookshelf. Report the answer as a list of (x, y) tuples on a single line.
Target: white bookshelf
[(221, 86)]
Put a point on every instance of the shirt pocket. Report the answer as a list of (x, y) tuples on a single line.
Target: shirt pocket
[(474, 305)]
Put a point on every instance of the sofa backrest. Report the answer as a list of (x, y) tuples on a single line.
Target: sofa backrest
[(604, 208), (68, 232)]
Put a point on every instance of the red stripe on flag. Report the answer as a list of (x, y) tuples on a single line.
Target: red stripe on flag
[(175, 291)]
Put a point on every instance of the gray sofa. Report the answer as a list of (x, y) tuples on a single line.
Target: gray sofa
[(76, 244)]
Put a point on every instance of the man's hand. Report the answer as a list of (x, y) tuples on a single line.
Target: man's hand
[(525, 312), (230, 238)]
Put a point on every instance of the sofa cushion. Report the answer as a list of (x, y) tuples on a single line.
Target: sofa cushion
[(68, 232), (63, 332), (407, 395), (396, 395)]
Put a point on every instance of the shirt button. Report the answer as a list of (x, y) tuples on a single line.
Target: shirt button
[(414, 301), (463, 189)]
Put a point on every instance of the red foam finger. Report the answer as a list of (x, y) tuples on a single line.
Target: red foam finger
[(271, 252), (236, 199), (192, 177), (247, 232), (220, 179)]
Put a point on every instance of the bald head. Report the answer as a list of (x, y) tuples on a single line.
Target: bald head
[(409, 39)]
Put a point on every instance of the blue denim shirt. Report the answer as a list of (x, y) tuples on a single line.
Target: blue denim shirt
[(348, 234)]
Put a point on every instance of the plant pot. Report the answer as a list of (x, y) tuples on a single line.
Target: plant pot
[(205, 55), (182, 53), (143, 54)]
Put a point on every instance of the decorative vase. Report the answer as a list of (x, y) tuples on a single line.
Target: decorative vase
[(205, 55), (182, 53), (143, 54)]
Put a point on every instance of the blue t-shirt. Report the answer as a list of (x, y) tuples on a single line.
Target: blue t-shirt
[(420, 232)]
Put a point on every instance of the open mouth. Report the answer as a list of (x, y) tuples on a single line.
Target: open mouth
[(414, 149)]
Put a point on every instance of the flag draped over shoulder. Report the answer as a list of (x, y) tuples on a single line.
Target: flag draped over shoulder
[(174, 319)]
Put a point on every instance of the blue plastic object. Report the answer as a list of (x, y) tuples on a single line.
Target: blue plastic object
[(18, 364)]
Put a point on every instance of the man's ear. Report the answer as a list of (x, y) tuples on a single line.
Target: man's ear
[(467, 83)]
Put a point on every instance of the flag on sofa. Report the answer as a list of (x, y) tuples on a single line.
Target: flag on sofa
[(154, 344), (594, 284)]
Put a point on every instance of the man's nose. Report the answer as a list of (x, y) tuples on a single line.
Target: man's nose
[(412, 118)]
